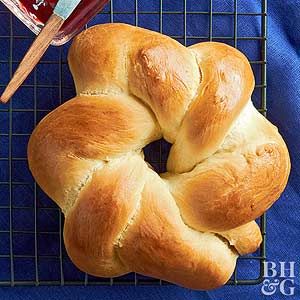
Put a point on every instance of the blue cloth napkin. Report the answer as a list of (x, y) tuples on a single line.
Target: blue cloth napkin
[(283, 93)]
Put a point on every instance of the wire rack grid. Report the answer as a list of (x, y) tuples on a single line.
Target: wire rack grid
[(31, 244)]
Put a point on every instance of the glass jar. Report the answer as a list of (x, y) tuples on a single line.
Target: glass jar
[(35, 13)]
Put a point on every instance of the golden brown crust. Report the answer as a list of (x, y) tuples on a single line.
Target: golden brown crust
[(166, 77), (159, 244), (100, 69), (226, 85), (245, 239), (239, 182), (120, 216), (101, 213), (83, 132), (155, 68), (227, 189)]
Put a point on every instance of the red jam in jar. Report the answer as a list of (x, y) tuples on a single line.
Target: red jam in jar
[(35, 13)]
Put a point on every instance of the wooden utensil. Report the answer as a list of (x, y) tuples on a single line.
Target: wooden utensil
[(62, 11)]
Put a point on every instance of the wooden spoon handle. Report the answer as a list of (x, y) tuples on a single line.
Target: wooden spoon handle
[(33, 55)]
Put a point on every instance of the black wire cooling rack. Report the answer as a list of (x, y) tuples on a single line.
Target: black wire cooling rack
[(31, 244)]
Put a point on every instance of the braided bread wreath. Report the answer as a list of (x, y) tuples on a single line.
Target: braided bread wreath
[(227, 165)]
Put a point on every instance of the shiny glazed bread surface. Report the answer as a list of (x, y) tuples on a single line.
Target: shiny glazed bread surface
[(227, 165)]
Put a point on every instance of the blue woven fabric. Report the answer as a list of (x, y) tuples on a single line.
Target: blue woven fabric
[(283, 219)]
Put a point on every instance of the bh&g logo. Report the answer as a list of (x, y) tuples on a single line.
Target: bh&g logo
[(284, 281)]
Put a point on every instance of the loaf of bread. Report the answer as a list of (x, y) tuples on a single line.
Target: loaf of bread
[(226, 167)]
